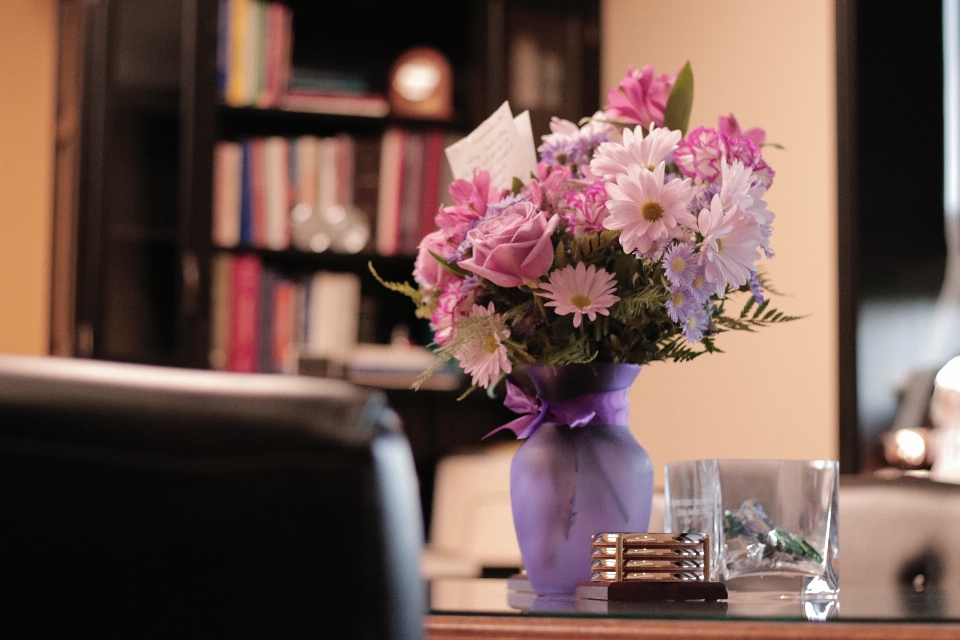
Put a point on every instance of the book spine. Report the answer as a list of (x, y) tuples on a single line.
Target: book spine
[(318, 321), (246, 196), (399, 193), (250, 52), (346, 166), (411, 198), (307, 170), (327, 176), (272, 56), (389, 191), (366, 176), (236, 78), (277, 182), (268, 286), (284, 310), (227, 186), (430, 194), (223, 47), (221, 288), (245, 313), (348, 296), (286, 49), (258, 190)]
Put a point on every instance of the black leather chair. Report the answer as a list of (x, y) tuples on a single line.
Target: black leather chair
[(154, 502)]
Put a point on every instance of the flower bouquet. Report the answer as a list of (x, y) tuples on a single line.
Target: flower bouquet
[(622, 245)]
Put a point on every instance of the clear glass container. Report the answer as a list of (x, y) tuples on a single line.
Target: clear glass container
[(772, 523)]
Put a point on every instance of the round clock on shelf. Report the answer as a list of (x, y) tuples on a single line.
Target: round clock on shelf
[(421, 85)]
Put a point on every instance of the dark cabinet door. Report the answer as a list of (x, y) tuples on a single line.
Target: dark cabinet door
[(142, 193)]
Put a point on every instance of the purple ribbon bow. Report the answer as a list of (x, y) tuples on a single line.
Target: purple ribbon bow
[(602, 407)]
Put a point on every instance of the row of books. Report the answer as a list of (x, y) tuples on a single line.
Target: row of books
[(264, 321), (255, 66), (413, 181), (259, 181), (337, 92), (316, 324), (277, 192), (254, 52)]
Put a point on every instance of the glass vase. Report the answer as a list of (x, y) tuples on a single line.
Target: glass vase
[(568, 483)]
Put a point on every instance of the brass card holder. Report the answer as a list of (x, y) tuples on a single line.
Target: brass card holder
[(651, 566)]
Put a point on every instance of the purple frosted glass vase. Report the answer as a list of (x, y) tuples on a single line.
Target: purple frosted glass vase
[(568, 483)]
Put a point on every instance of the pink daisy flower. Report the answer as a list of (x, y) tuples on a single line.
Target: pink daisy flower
[(580, 290), (647, 210), (730, 242), (613, 158), (485, 357)]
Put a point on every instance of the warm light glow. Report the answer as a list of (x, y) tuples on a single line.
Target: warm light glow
[(335, 215), (911, 446), (417, 80)]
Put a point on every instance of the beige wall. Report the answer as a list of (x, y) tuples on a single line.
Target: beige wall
[(27, 103), (771, 62)]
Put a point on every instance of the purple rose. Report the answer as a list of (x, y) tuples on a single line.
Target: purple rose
[(513, 247), (426, 270)]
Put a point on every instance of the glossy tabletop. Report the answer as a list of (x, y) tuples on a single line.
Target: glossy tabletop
[(487, 608)]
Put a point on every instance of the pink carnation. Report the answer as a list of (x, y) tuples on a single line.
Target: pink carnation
[(513, 247), (641, 97), (586, 210), (702, 153), (454, 304), (426, 270), (730, 126), (470, 204), (550, 187)]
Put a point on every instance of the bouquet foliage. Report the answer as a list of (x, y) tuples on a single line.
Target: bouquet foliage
[(624, 246)]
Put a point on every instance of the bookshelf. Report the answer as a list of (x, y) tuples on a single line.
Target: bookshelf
[(140, 193)]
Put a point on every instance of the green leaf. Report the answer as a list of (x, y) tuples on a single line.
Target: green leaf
[(629, 307), (576, 352), (680, 103), (452, 268), (516, 186), (774, 145), (761, 309)]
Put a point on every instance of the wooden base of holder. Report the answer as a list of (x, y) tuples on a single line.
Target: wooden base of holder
[(646, 591)]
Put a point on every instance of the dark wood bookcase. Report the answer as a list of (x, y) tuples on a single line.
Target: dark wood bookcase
[(138, 121)]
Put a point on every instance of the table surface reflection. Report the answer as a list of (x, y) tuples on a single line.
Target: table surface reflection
[(469, 597)]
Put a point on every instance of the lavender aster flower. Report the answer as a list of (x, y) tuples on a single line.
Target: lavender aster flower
[(680, 265), (681, 304), (496, 207), (700, 288), (756, 288), (562, 150), (696, 325)]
